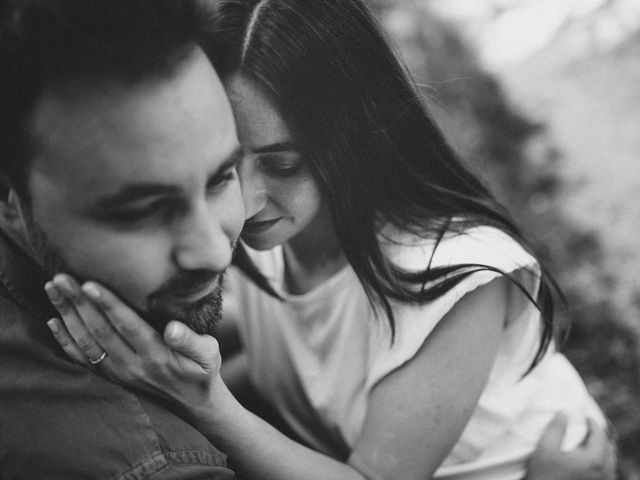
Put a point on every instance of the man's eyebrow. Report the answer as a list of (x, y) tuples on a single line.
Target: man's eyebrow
[(277, 147), (139, 191)]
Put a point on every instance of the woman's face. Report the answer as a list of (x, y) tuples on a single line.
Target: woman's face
[(281, 196)]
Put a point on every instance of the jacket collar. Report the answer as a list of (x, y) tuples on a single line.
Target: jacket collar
[(23, 280)]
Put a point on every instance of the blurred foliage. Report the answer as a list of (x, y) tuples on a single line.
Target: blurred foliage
[(516, 157)]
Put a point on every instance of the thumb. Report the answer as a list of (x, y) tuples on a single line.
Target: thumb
[(202, 349), (553, 434)]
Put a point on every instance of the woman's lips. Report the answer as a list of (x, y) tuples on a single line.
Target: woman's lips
[(253, 227)]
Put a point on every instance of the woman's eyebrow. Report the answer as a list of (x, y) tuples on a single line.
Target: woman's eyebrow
[(277, 147)]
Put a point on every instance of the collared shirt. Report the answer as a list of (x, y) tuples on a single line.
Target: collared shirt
[(58, 420)]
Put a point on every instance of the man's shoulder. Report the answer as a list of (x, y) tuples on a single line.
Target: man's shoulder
[(59, 420)]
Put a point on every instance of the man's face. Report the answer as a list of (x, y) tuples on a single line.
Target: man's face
[(136, 187)]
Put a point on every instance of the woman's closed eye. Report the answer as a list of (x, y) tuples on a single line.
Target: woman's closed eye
[(282, 165)]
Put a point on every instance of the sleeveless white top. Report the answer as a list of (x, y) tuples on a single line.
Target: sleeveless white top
[(317, 356)]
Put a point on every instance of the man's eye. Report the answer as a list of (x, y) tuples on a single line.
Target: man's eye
[(220, 181), (135, 215)]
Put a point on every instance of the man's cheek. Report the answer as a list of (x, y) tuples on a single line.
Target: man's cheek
[(131, 278)]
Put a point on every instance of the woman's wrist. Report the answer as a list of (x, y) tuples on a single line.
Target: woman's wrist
[(214, 415)]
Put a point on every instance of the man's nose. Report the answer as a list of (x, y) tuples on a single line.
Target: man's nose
[(253, 189), (202, 242)]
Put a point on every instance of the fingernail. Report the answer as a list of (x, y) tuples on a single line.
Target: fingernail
[(91, 289), (174, 331), (53, 326), (64, 282), (69, 288), (52, 292)]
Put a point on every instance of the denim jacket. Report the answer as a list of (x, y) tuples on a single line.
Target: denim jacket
[(58, 420)]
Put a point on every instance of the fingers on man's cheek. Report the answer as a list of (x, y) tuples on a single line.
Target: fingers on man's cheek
[(108, 304), (56, 297), (69, 288), (94, 292), (67, 343)]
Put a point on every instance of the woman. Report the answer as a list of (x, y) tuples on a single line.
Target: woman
[(402, 328)]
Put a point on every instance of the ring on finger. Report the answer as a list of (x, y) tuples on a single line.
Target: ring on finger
[(96, 361)]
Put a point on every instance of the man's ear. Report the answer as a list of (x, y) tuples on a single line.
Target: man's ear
[(10, 212)]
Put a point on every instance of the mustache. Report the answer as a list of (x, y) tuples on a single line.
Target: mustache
[(185, 282), (200, 315)]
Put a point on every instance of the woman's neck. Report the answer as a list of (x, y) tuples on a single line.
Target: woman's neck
[(313, 256)]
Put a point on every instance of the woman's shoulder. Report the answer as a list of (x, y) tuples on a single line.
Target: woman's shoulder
[(482, 244)]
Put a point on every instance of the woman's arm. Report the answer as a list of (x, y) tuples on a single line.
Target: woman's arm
[(235, 372), (415, 414)]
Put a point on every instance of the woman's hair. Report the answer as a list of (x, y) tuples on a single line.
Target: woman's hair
[(377, 155)]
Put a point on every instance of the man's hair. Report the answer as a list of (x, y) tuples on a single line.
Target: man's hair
[(45, 43)]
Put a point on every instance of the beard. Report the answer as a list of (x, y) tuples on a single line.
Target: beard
[(202, 315), (42, 252)]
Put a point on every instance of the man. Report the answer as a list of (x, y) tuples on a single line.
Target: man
[(117, 153)]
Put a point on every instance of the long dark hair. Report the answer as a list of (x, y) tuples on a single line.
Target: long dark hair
[(377, 155)]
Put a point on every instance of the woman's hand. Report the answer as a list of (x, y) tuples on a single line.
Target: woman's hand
[(100, 331), (184, 368), (594, 459)]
